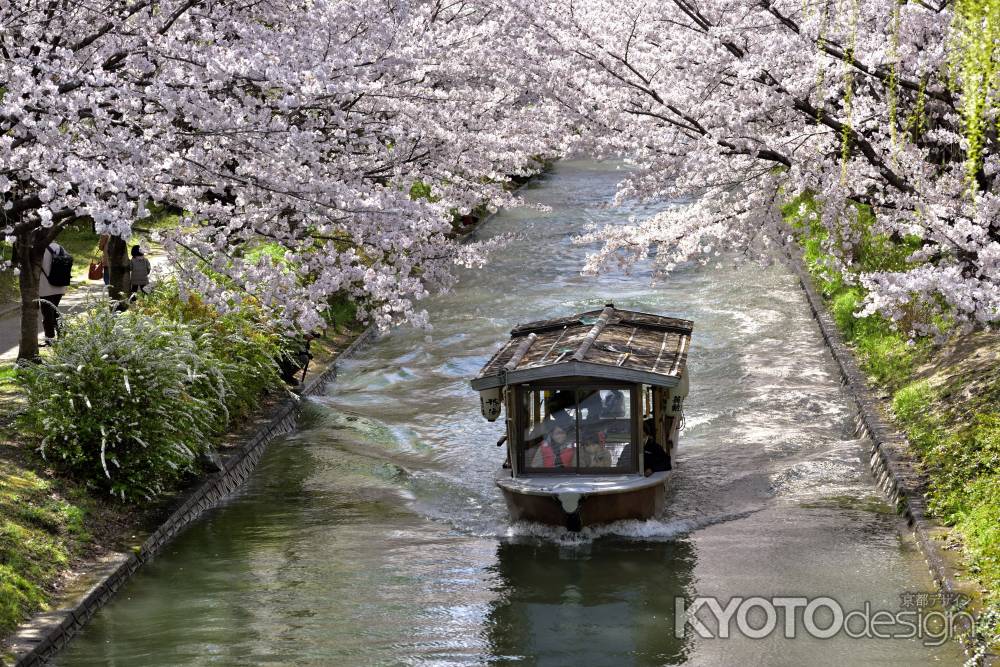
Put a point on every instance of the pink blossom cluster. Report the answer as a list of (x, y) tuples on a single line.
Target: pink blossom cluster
[(306, 124), (736, 107), (300, 124)]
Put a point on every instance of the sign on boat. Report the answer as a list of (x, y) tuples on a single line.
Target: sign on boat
[(594, 405)]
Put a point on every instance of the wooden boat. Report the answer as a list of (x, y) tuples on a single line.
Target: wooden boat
[(593, 404)]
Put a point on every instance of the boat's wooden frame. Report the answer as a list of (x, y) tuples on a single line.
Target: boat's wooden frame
[(612, 349), (577, 501)]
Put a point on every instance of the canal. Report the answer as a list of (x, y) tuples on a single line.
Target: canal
[(375, 535)]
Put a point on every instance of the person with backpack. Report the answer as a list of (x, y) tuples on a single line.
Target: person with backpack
[(57, 272)]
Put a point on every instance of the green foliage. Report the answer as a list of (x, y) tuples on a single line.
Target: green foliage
[(125, 402), (341, 312), (887, 356), (879, 252), (242, 345), (275, 251), (886, 353), (963, 460), (975, 72), (914, 406), (979, 522), (843, 306), (160, 217), (421, 190)]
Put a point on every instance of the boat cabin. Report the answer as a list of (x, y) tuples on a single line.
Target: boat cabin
[(584, 394)]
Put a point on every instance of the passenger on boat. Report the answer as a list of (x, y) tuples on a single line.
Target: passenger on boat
[(614, 405), (654, 458), (594, 455), (556, 450)]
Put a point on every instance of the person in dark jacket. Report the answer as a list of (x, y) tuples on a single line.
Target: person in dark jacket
[(140, 271), (119, 267), (295, 358), (654, 458)]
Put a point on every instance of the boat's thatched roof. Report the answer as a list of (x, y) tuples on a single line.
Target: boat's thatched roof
[(608, 343)]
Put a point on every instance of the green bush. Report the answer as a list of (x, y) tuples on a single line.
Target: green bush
[(341, 312), (844, 306), (242, 344), (914, 405), (125, 402)]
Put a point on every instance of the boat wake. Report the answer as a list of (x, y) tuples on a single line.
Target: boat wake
[(652, 530)]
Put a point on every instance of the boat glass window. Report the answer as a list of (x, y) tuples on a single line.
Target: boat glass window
[(548, 425), (572, 430), (605, 428)]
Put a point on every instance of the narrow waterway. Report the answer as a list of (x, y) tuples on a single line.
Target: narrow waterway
[(374, 535)]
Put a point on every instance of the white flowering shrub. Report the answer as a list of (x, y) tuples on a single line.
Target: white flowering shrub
[(125, 401)]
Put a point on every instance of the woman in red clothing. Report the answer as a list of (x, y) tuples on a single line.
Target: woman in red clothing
[(555, 451)]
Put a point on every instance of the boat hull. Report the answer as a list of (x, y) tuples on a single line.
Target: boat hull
[(575, 503)]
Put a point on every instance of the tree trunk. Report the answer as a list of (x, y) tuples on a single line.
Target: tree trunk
[(29, 264)]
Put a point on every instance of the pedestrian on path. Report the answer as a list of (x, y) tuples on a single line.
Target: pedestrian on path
[(119, 267), (140, 271), (102, 245), (50, 295)]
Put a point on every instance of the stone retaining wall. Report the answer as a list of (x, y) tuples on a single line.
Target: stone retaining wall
[(46, 633), (891, 461)]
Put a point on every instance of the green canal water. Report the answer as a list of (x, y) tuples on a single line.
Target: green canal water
[(374, 535)]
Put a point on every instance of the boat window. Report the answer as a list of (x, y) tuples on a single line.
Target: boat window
[(548, 423), (605, 428), (575, 430)]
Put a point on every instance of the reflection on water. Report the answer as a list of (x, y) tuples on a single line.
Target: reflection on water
[(375, 534), (607, 603)]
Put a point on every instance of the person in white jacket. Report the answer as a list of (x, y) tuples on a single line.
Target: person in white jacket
[(50, 295)]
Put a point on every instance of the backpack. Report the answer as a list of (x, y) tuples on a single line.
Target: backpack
[(61, 271)]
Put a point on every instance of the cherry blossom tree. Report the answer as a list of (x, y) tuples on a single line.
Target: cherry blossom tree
[(736, 107), (305, 125)]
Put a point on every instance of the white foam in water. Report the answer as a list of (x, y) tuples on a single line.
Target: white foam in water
[(652, 530)]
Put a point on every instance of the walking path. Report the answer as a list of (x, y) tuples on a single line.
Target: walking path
[(80, 293)]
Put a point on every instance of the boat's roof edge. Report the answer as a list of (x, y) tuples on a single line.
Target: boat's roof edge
[(575, 369)]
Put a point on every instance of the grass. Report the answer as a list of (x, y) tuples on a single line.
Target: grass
[(951, 416), (40, 531)]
